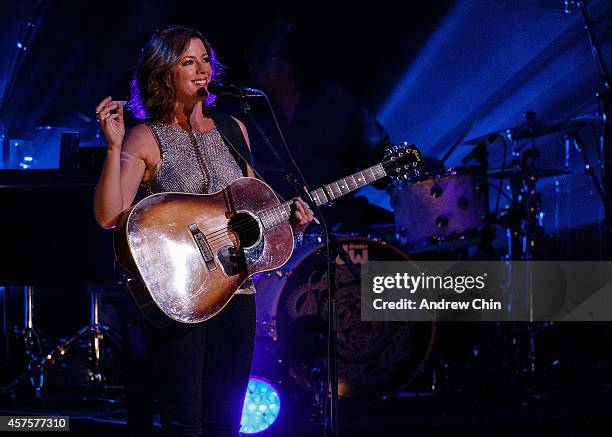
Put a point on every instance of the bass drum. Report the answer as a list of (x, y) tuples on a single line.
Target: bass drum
[(374, 358)]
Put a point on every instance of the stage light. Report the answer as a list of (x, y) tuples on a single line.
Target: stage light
[(261, 406)]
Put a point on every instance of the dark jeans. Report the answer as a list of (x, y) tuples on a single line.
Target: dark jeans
[(201, 372)]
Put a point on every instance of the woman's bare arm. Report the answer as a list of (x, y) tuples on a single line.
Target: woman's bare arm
[(121, 176)]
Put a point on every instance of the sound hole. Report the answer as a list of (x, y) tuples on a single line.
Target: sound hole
[(246, 228)]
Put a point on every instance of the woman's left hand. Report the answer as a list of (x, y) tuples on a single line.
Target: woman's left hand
[(302, 215)]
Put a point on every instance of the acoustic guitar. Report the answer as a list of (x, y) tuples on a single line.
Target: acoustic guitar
[(187, 254)]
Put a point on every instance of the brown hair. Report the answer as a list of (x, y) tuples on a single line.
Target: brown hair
[(152, 90)]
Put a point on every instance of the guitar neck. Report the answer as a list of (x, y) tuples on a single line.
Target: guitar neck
[(281, 213)]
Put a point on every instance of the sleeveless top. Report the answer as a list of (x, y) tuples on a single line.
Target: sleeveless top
[(192, 162)]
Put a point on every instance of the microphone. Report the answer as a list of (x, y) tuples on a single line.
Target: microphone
[(232, 90)]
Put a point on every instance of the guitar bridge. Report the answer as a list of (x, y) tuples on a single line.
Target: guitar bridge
[(202, 244)]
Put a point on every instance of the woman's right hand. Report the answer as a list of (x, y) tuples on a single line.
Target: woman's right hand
[(109, 113)]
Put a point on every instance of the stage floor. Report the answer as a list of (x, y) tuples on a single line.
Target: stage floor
[(577, 410)]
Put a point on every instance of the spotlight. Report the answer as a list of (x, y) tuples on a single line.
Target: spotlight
[(261, 406)]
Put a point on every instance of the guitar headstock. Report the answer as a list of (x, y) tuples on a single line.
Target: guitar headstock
[(402, 161)]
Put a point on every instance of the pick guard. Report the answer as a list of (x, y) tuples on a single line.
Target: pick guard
[(234, 260)]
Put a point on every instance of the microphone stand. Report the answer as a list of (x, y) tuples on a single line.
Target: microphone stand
[(333, 251)]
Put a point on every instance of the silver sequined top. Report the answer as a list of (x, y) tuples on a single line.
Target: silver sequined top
[(192, 162)]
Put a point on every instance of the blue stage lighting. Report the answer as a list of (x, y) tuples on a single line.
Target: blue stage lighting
[(261, 406)]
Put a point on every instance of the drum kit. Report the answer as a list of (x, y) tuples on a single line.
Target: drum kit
[(442, 213)]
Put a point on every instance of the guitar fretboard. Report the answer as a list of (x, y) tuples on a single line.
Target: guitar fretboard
[(281, 213)]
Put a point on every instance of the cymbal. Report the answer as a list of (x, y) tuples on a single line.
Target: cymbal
[(540, 172), (540, 128)]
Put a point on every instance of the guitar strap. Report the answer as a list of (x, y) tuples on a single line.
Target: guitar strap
[(234, 140)]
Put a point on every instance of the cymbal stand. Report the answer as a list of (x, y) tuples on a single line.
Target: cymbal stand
[(533, 207), (95, 332), (31, 340), (604, 96), (573, 138), (525, 215), (525, 234), (32, 347), (480, 154)]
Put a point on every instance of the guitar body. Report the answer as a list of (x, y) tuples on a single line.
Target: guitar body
[(189, 253), (193, 251)]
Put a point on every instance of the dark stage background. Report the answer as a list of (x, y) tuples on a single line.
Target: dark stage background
[(434, 73)]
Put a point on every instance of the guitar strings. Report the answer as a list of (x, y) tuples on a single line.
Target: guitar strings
[(221, 234), (242, 226), (245, 225), (239, 225), (219, 240)]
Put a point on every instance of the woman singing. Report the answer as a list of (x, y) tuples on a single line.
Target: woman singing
[(203, 369)]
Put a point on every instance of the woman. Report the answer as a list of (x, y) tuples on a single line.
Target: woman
[(204, 369)]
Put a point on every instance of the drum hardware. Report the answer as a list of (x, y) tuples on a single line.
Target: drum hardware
[(523, 222), (38, 363), (440, 210), (527, 231), (480, 154), (292, 318), (532, 129), (573, 137), (604, 98), (32, 347), (523, 218), (538, 172), (525, 213), (486, 228), (32, 343)]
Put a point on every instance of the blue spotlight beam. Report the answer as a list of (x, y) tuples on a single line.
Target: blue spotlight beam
[(488, 63)]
